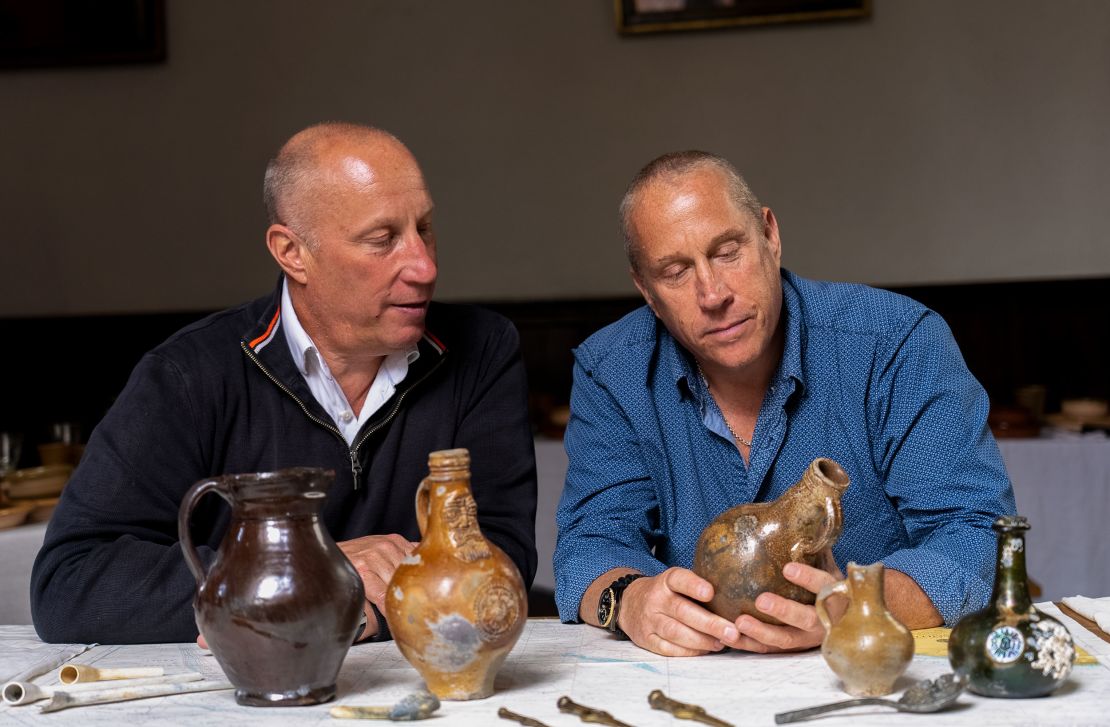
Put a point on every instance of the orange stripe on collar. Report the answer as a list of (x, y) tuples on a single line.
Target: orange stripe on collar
[(269, 329)]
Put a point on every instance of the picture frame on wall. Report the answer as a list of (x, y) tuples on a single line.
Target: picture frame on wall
[(655, 16), (60, 33)]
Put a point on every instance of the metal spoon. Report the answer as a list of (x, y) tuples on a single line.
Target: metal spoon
[(928, 695)]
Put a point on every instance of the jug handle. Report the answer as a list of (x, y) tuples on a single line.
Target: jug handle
[(423, 502), (834, 523), (194, 494), (840, 587)]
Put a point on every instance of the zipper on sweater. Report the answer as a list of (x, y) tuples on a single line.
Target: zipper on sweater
[(352, 452), (356, 468), (397, 406)]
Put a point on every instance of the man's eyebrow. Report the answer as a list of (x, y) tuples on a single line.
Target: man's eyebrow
[(734, 233), (385, 223)]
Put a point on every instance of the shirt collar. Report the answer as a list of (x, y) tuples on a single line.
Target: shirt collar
[(302, 349), (684, 371), (794, 334), (300, 343)]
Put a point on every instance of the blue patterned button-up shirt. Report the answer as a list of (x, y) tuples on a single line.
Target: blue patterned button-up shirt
[(868, 378)]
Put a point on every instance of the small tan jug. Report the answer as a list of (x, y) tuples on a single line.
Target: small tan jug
[(868, 648), (457, 604)]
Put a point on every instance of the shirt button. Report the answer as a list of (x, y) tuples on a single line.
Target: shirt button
[(346, 417)]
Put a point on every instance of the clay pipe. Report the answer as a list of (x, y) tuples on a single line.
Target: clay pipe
[(50, 663), (120, 693), (76, 673), (20, 693), (418, 705)]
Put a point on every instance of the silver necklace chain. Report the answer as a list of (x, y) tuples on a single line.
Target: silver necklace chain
[(724, 418)]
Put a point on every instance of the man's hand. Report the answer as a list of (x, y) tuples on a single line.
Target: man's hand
[(658, 614), (376, 557), (801, 629)]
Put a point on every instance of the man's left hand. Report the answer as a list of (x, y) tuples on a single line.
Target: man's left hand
[(800, 627)]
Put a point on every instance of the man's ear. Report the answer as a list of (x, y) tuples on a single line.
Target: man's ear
[(288, 250), (771, 234)]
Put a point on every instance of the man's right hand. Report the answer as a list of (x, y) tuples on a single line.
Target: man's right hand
[(660, 614)]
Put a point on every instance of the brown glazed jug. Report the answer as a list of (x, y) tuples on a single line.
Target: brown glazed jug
[(867, 648), (280, 604), (457, 604), (743, 550)]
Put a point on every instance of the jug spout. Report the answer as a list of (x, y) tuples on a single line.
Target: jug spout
[(824, 472)]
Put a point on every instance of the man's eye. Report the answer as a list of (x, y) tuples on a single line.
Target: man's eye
[(673, 273), (382, 242), (728, 251)]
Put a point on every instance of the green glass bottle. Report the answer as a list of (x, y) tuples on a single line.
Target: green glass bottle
[(1010, 649)]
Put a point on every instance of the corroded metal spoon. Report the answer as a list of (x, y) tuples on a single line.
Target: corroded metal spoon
[(929, 695)]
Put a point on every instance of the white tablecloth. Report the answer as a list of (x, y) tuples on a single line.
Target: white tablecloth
[(18, 548), (593, 668), (1063, 487)]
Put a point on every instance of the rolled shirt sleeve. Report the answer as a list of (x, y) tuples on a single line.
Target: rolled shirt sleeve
[(608, 515), (941, 466)]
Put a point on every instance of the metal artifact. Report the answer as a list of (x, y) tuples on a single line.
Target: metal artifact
[(682, 710), (526, 721), (929, 695), (589, 714)]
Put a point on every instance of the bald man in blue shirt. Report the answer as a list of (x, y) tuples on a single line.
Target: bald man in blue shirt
[(723, 389)]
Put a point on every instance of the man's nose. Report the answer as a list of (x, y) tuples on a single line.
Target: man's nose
[(711, 289), (420, 261)]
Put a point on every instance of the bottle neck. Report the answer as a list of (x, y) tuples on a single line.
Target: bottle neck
[(1011, 586)]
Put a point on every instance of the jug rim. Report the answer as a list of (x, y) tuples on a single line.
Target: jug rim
[(290, 481)]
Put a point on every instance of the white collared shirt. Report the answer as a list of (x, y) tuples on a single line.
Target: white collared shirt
[(323, 385)]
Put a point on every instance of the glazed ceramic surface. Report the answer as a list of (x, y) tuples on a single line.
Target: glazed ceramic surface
[(280, 605), (457, 605), (867, 648), (743, 550), (1010, 649)]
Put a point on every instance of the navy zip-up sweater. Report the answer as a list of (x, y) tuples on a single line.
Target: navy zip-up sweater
[(224, 396)]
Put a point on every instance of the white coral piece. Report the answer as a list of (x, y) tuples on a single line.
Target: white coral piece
[(1055, 650)]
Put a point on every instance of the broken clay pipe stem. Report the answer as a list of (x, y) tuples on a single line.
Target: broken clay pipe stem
[(65, 700), (51, 663), (19, 693), (411, 707), (77, 673)]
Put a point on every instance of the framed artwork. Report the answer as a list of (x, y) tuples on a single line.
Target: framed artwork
[(37, 33), (653, 16)]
